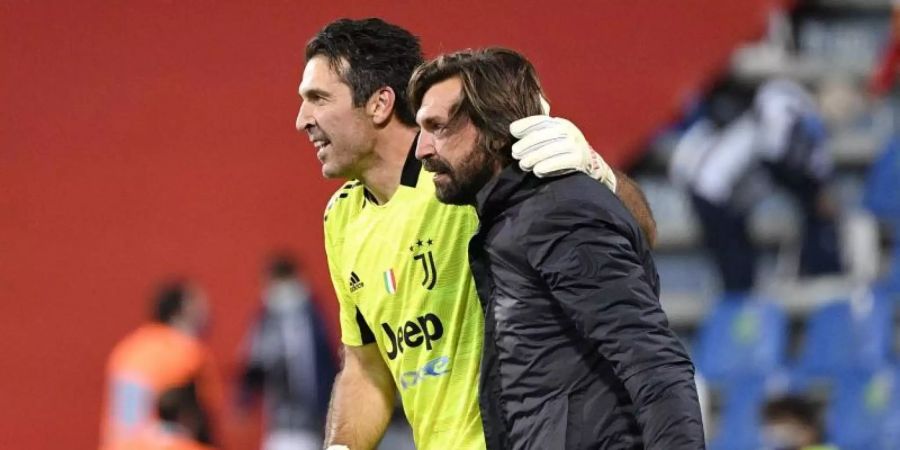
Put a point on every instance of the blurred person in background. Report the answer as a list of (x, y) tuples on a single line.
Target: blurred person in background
[(165, 353), (180, 422), (792, 423), (748, 140), (288, 361)]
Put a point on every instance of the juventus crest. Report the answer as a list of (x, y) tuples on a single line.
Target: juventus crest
[(423, 254)]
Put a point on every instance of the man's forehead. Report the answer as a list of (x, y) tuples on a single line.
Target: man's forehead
[(442, 98), (320, 73)]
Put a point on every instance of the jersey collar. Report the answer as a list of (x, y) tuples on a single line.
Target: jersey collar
[(409, 176), (411, 168)]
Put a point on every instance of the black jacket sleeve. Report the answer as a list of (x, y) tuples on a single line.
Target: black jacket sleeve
[(585, 248)]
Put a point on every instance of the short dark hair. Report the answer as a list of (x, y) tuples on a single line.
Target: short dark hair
[(169, 300), (282, 265), (174, 402), (796, 408), (499, 86), (728, 98), (181, 405), (377, 53)]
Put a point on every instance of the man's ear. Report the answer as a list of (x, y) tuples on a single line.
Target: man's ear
[(381, 105)]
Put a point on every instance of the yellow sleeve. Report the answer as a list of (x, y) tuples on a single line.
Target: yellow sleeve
[(354, 329)]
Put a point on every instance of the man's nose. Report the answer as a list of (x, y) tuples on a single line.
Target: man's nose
[(304, 117), (425, 146)]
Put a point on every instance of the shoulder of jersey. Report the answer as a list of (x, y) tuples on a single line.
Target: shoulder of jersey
[(339, 199)]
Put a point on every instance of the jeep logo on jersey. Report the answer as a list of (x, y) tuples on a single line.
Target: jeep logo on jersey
[(423, 254), (425, 329)]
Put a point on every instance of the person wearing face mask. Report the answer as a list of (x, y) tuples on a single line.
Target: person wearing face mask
[(288, 361), (164, 353)]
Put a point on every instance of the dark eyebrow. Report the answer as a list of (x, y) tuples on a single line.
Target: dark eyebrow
[(430, 122), (314, 92)]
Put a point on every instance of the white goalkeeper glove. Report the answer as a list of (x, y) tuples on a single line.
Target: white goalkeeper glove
[(553, 146)]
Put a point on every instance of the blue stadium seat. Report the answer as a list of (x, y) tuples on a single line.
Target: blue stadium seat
[(890, 428), (844, 337), (742, 337), (888, 292), (880, 195), (889, 284), (861, 406), (738, 426), (883, 183)]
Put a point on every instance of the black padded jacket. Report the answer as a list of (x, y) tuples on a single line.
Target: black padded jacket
[(577, 353)]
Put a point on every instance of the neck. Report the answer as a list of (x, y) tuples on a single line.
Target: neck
[(487, 184), (382, 177), (496, 166)]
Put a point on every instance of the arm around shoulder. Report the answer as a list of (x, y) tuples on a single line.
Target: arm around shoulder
[(631, 195)]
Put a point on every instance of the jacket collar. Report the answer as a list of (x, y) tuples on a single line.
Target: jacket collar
[(510, 186)]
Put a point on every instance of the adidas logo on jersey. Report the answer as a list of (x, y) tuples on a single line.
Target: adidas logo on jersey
[(355, 282)]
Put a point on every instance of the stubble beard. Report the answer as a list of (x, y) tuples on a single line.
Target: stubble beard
[(462, 183)]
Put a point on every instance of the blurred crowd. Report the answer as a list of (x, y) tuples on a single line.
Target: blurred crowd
[(813, 365), (164, 391)]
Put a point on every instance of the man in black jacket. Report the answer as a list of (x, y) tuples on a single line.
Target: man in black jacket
[(577, 352)]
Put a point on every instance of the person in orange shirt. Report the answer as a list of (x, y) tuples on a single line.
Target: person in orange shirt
[(162, 354)]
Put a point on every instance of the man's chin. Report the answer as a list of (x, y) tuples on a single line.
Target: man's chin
[(451, 199), (450, 194), (331, 172)]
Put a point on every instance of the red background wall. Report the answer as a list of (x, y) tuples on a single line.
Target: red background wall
[(140, 139)]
